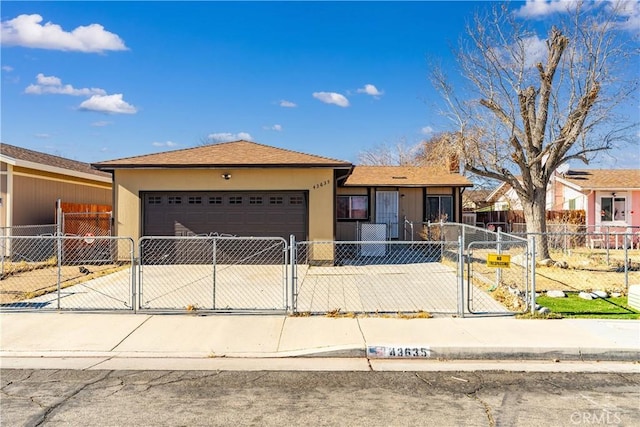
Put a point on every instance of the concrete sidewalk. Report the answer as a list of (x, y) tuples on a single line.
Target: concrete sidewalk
[(142, 341)]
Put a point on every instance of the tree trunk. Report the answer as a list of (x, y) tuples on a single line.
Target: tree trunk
[(535, 215)]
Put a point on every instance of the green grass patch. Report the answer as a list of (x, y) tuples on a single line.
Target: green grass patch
[(600, 308)]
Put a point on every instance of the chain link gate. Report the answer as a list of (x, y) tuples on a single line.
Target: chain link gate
[(377, 277), (66, 273), (213, 273), (499, 277)]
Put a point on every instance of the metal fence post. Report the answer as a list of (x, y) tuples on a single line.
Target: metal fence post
[(461, 276), (134, 263), (291, 283), (214, 261), (626, 264), (499, 250), (532, 243), (59, 247)]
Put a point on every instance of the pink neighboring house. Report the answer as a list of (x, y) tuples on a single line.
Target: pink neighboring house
[(610, 197)]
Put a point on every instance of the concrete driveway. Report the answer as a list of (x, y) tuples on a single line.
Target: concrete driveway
[(431, 287)]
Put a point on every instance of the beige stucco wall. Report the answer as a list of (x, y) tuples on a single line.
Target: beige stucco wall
[(128, 184), (29, 195)]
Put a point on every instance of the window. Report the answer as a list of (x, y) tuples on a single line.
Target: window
[(613, 208), (275, 200), (235, 200), (296, 200), (439, 208), (255, 200), (154, 200), (353, 207), (194, 200), (215, 200), (174, 200)]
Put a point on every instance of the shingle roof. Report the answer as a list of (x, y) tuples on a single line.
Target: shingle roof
[(19, 153), (604, 179), (227, 154), (405, 176)]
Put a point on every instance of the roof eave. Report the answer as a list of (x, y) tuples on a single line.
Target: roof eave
[(54, 169), (105, 167)]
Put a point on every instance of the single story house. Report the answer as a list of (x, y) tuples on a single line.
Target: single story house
[(31, 182), (402, 197), (610, 197), (249, 189)]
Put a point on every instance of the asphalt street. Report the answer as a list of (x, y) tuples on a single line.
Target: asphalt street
[(282, 398)]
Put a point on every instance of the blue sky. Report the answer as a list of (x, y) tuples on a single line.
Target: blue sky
[(95, 81)]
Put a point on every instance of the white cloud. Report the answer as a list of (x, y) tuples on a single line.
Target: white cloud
[(287, 104), (53, 85), (427, 130), (113, 104), (332, 98), (101, 123), (370, 89), (7, 68), (277, 128), (164, 144), (629, 12), (228, 136), (42, 135), (27, 31), (542, 8), (535, 50)]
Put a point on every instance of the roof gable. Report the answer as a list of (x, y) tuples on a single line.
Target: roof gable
[(42, 161), (227, 154), (404, 176)]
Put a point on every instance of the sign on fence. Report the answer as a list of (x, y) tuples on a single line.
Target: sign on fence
[(498, 261)]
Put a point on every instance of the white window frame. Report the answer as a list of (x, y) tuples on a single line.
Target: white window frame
[(620, 209)]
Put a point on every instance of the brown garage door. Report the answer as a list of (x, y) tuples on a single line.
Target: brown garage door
[(259, 214)]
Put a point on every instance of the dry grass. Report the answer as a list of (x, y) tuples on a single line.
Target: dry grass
[(35, 281)]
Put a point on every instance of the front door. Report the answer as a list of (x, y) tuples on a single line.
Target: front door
[(387, 211)]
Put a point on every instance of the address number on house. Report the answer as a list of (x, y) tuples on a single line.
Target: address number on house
[(399, 352), (498, 260)]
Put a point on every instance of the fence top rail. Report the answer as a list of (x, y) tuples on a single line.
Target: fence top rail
[(65, 237), (378, 242), (503, 243), (213, 237), (476, 229), (578, 233)]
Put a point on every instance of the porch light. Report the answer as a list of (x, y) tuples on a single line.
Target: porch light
[(226, 176)]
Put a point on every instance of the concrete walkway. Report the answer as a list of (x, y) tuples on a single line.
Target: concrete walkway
[(128, 341)]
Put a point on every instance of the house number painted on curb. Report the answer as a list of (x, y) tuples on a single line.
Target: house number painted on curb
[(399, 352)]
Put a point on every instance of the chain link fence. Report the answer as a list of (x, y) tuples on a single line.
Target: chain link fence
[(446, 274), (377, 277), (66, 273), (589, 261), (489, 287), (213, 273)]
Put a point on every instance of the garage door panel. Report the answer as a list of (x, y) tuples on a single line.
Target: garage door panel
[(265, 214)]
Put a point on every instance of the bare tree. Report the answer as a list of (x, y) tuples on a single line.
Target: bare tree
[(532, 105), (399, 154)]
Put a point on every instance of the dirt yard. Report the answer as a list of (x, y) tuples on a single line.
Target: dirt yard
[(28, 281)]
